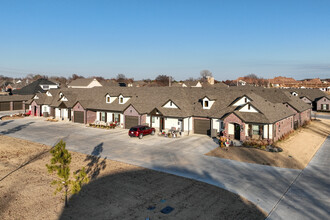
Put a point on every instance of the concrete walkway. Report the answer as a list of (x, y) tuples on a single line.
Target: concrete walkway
[(309, 196), (263, 185)]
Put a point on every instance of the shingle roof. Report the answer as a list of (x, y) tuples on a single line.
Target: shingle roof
[(8, 98), (145, 99), (81, 82), (33, 87), (311, 94)]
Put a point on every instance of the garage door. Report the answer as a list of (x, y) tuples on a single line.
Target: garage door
[(202, 126), (18, 105), (131, 121), (78, 117), (4, 106)]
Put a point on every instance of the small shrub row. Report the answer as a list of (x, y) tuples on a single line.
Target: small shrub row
[(262, 145), (111, 126), (256, 143), (286, 136)]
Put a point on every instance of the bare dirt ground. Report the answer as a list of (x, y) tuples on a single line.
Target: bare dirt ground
[(6, 118), (116, 191), (298, 149)]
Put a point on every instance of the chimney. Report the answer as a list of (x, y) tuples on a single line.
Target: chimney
[(210, 80), (169, 81)]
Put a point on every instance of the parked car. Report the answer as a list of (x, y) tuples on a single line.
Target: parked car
[(140, 131)]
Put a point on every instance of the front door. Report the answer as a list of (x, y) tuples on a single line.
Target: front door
[(161, 123), (35, 111), (237, 131), (180, 124)]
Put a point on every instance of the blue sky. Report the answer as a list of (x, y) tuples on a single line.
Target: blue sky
[(143, 39)]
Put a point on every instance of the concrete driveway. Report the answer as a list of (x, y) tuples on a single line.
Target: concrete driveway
[(320, 115), (309, 196), (263, 185)]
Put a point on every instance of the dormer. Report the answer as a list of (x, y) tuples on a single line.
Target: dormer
[(207, 103), (48, 93), (242, 101), (294, 93), (122, 99), (63, 99), (170, 104), (248, 108), (36, 97), (109, 99)]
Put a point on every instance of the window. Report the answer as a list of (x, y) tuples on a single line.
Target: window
[(171, 103), (108, 99), (45, 108), (324, 107), (45, 87), (245, 100), (121, 100), (116, 117), (153, 119), (255, 130), (249, 107), (103, 116), (222, 125), (206, 104)]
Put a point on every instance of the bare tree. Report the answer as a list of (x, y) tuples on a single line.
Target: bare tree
[(252, 76), (205, 74), (162, 80), (75, 76), (121, 77)]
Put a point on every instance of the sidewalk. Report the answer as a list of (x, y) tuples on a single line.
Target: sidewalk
[(309, 196)]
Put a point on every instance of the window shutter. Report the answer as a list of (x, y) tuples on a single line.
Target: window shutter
[(100, 116), (119, 118), (113, 117), (106, 116)]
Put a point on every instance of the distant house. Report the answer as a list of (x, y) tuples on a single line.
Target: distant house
[(84, 83), (310, 96), (241, 82), (38, 86), (323, 104), (109, 83)]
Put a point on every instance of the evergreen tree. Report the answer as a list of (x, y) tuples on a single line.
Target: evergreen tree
[(60, 163)]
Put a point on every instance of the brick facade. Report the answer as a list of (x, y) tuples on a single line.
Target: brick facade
[(296, 117), (143, 119), (231, 119), (282, 127), (321, 102), (79, 108), (91, 116), (306, 100), (130, 111), (305, 116), (35, 109)]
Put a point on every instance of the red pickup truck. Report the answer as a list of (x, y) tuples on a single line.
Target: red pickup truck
[(140, 131)]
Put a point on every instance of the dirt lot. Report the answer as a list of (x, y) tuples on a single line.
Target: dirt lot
[(6, 118), (117, 190), (298, 149)]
